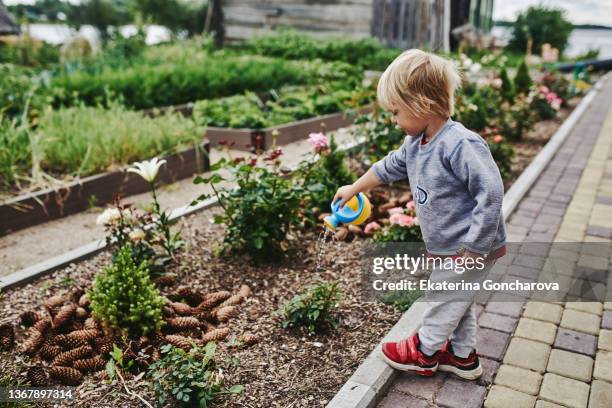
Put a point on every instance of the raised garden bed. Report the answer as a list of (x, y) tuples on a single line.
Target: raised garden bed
[(98, 190)]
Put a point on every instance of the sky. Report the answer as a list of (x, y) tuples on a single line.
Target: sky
[(578, 11)]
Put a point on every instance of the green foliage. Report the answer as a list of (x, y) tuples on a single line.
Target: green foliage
[(189, 377), (117, 362), (502, 153), (74, 142), (365, 53), (398, 233), (177, 15), (313, 309), (29, 52), (102, 14), (17, 85), (402, 299), (522, 80), (15, 151), (380, 134), (261, 211), (124, 298), (507, 87), (322, 176), (7, 381), (557, 83), (543, 24), (146, 85), (516, 118)]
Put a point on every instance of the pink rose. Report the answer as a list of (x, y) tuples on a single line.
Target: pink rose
[(402, 220), (371, 227), (556, 104), (498, 138), (396, 210), (411, 205), (544, 89), (318, 141)]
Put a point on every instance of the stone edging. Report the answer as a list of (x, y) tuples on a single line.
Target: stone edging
[(372, 378)]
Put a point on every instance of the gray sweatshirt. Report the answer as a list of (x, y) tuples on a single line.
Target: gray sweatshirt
[(457, 188)]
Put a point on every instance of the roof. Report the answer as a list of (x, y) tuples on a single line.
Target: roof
[(7, 23)]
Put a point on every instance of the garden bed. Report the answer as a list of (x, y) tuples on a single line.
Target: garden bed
[(98, 190)]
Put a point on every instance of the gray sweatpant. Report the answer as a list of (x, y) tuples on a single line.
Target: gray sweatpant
[(454, 315)]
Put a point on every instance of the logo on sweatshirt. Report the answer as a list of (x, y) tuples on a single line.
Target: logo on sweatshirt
[(420, 195)]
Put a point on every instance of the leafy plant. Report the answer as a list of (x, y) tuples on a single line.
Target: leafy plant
[(124, 299), (542, 24), (502, 153), (380, 134), (403, 226), (15, 151), (313, 309), (507, 87), (260, 211), (117, 362), (402, 299), (522, 80), (189, 377)]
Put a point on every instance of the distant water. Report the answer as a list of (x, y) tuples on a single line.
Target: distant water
[(581, 40), (59, 33)]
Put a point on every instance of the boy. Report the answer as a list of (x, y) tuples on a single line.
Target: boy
[(458, 193)]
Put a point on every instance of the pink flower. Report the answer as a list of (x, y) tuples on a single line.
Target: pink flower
[(318, 141), (371, 227), (556, 104), (544, 89), (498, 138), (396, 210), (402, 220), (411, 206)]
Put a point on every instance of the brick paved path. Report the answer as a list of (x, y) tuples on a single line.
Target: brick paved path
[(534, 353)]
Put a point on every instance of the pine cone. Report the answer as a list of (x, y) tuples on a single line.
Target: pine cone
[(159, 338), (179, 341), (216, 335), (77, 293), (212, 299), (54, 303), (104, 345), (168, 311), (92, 323), (85, 335), (33, 343), (37, 376), (182, 309), (29, 318), (244, 291), (89, 365), (208, 326), (42, 326), (249, 339), (165, 280), (7, 336), (66, 375), (204, 316), (68, 357), (192, 298), (84, 301), (81, 313), (225, 313), (64, 315), (155, 355), (232, 300), (50, 350), (183, 323), (143, 341), (69, 343)]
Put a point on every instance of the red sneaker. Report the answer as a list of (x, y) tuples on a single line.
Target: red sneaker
[(406, 356), (468, 368)]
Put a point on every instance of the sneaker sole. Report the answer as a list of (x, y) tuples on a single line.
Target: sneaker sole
[(473, 374), (408, 367)]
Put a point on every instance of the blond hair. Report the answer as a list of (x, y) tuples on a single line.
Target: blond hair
[(420, 82)]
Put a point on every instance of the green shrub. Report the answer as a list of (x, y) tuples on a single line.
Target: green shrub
[(380, 135), (124, 298), (402, 299), (189, 377), (259, 213), (145, 86), (85, 140), (313, 309), (502, 153), (542, 24), (516, 118), (15, 151), (17, 86), (507, 87), (522, 80)]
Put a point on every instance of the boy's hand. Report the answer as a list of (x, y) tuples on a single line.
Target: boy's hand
[(345, 193)]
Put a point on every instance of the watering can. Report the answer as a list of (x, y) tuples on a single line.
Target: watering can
[(355, 211)]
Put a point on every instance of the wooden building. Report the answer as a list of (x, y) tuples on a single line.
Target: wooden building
[(7, 23), (400, 23)]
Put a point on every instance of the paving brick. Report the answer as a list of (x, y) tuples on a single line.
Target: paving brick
[(588, 307), (491, 343), (546, 404), (422, 387), (572, 365), (536, 330), (605, 340), (524, 271), (603, 366), (596, 275), (576, 342), (597, 231), (497, 322), (505, 304), (595, 262), (607, 305), (580, 321), (519, 379), (528, 354), (460, 394), (397, 400), (564, 391), (606, 322), (489, 369), (502, 397), (530, 261), (547, 312), (601, 395)]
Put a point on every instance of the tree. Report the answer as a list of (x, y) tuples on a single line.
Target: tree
[(175, 14), (102, 14), (543, 25)]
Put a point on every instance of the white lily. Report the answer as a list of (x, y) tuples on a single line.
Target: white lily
[(147, 169), (108, 216)]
